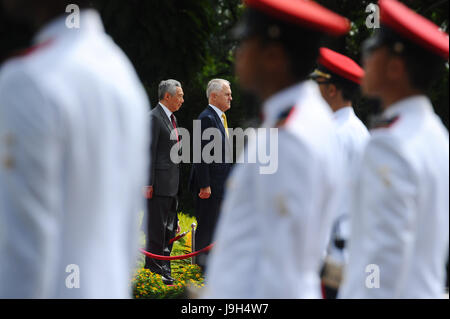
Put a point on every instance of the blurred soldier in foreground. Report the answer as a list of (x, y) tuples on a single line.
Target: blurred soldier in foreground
[(339, 78), (273, 228), (400, 218), (73, 147)]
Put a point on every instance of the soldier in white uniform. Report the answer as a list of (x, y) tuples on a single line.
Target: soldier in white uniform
[(339, 79), (273, 227), (73, 150), (400, 217)]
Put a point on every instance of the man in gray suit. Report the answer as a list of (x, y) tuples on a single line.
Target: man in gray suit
[(162, 194)]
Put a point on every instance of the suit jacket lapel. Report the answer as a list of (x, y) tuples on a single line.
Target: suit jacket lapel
[(165, 118), (221, 127), (218, 120)]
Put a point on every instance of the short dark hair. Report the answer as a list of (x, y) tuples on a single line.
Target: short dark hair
[(350, 90), (423, 66), (301, 44), (302, 47)]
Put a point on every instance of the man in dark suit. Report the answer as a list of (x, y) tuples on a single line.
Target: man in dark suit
[(207, 180), (162, 194)]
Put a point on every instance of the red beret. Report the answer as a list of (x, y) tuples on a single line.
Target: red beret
[(305, 13), (414, 27), (340, 65)]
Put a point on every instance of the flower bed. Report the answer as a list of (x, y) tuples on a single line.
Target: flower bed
[(147, 285)]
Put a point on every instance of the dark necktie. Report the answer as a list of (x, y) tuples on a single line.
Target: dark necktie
[(174, 124)]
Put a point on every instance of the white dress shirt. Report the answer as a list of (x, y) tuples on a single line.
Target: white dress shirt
[(219, 113), (73, 150), (400, 217), (167, 111), (272, 229)]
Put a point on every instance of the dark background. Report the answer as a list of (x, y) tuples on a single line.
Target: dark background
[(189, 40)]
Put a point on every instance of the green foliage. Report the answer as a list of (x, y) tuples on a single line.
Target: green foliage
[(184, 245), (185, 40), (190, 40), (355, 11), (147, 285), (163, 39)]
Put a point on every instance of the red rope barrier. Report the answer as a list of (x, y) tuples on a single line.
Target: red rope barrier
[(178, 237), (159, 257)]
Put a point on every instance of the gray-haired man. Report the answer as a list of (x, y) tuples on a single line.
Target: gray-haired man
[(208, 178), (164, 182)]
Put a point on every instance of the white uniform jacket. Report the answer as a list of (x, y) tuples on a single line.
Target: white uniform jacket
[(352, 137), (400, 218), (73, 151), (273, 228)]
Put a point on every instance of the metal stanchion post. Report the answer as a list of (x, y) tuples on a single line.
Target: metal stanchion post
[(193, 242)]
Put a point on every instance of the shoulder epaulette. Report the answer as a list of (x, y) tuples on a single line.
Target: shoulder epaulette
[(283, 117), (30, 50), (377, 123)]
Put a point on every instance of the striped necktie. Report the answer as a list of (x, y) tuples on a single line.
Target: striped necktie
[(174, 124)]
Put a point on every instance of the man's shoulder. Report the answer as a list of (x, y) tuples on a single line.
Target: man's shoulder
[(156, 117), (207, 112), (155, 112), (354, 128), (26, 63)]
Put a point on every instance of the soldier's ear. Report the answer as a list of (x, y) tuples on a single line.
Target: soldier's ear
[(332, 90)]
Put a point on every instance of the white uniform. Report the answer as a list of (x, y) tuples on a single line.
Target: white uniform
[(73, 151), (400, 217), (273, 228), (352, 136)]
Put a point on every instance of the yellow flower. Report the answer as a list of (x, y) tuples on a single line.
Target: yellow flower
[(189, 240)]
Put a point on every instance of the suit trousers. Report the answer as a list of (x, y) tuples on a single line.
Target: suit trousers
[(207, 214), (161, 227)]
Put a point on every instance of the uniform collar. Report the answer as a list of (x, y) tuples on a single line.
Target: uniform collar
[(409, 104), (344, 113), (281, 101), (90, 21)]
